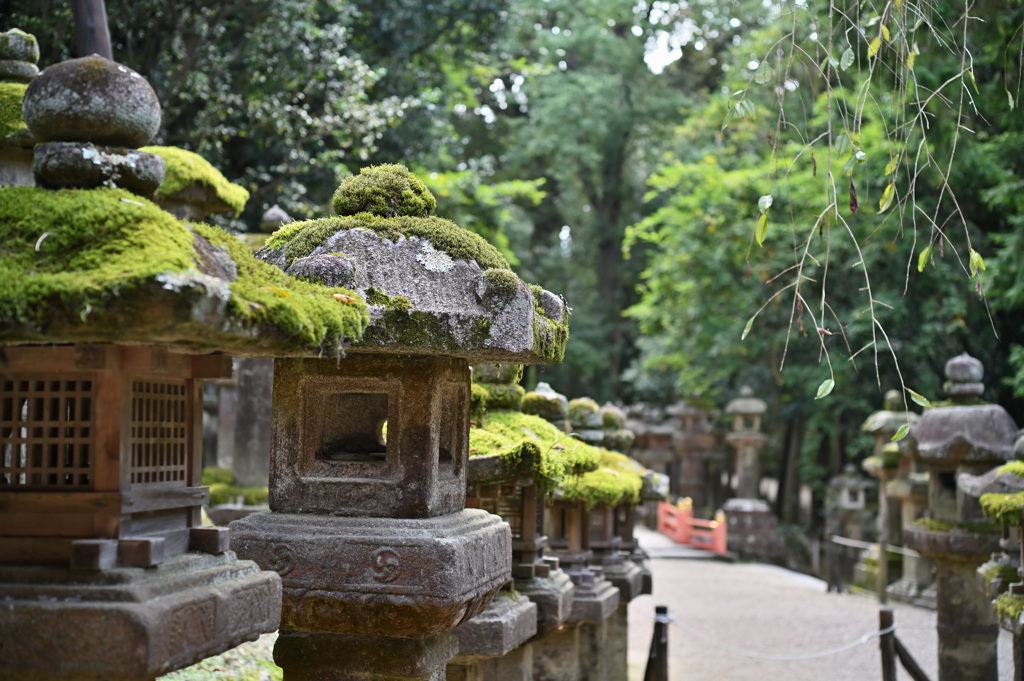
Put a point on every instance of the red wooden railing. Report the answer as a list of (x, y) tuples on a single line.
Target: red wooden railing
[(677, 523)]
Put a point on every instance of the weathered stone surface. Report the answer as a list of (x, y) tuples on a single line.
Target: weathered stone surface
[(508, 622), (17, 45), (497, 373), (328, 450), (435, 304), (131, 623), (978, 433), (595, 655), (517, 665), (64, 165), (594, 601), (950, 543), (273, 219), (554, 596), (329, 270), (17, 71), (379, 576), (251, 461), (556, 656), (627, 577), (546, 403), (992, 482), (340, 657), (92, 99)]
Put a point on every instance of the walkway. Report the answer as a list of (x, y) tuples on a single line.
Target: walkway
[(765, 609)]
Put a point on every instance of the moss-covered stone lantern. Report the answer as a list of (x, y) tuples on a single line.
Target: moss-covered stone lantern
[(19, 55), (369, 454), (964, 436), (192, 188), (112, 312)]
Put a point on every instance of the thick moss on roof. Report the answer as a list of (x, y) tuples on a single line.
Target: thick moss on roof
[(105, 265), (1009, 605), (1003, 508), (616, 481), (387, 191), (185, 168), (513, 434), (12, 125), (1014, 468), (300, 238)]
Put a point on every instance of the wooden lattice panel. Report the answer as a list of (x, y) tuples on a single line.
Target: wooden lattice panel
[(46, 432), (504, 501), (159, 428)]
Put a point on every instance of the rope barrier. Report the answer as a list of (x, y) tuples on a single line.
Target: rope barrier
[(668, 619)]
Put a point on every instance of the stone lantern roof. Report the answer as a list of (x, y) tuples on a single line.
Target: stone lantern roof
[(192, 188), (965, 429), (746, 403), (889, 419), (433, 287)]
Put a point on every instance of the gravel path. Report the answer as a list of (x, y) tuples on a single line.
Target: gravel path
[(764, 609)]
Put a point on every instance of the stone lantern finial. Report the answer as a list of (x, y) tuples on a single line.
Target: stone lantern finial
[(963, 377), (91, 115), (19, 54)]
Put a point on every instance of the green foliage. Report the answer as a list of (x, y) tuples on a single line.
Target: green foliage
[(213, 475), (1004, 508), (1010, 606), (617, 480), (385, 191), (184, 168), (12, 124)]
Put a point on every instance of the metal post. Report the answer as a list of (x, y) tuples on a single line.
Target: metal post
[(657, 661), (887, 643)]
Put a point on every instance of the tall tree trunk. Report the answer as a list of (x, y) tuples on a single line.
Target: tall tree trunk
[(92, 35), (791, 500)]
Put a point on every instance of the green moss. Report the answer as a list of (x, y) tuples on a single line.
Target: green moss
[(1006, 574), (299, 239), (222, 493), (535, 403), (1014, 468), (933, 525), (375, 296), (616, 481), (581, 408), (1004, 508), (501, 286), (386, 191), (107, 255), (549, 335), (1010, 606), (12, 125), (477, 403), (503, 395), (185, 168), (213, 475)]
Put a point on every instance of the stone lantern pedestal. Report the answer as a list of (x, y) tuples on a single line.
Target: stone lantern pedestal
[(968, 437)]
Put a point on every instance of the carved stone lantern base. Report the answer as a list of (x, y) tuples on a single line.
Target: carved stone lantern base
[(626, 576), (554, 596), (131, 623), (346, 657), (412, 577), (498, 632)]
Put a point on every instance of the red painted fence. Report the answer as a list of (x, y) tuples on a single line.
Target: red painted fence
[(677, 522)]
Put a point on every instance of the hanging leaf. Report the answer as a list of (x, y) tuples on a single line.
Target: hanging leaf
[(849, 165), (1009, 96), (899, 6), (910, 60), (854, 206), (973, 82), (728, 118), (976, 263), (763, 75), (764, 203), (922, 259), (901, 433), (842, 144), (885, 32), (847, 59), (892, 165), (833, 62), (825, 388), (919, 399), (887, 196), (762, 229), (873, 47), (746, 329)]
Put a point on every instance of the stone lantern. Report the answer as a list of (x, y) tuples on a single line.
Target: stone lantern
[(746, 437), (971, 437), (193, 189), (693, 443), (378, 556), (19, 54), (112, 312)]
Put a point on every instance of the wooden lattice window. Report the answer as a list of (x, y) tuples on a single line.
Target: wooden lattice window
[(46, 432), (504, 501), (159, 451)]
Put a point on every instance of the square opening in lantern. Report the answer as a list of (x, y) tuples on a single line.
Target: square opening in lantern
[(354, 428)]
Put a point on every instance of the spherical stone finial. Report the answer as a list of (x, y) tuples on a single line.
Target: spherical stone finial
[(386, 191), (963, 375), (92, 99), (893, 400)]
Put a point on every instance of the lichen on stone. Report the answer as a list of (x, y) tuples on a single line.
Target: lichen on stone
[(12, 125), (386, 191), (185, 168), (375, 296)]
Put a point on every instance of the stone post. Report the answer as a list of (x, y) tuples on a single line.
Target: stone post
[(968, 436), (251, 460), (746, 437)]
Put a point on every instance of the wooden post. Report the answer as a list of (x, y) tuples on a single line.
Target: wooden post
[(92, 35), (887, 643), (883, 539), (657, 661)]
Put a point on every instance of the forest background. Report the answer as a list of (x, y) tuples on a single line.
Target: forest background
[(622, 152)]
